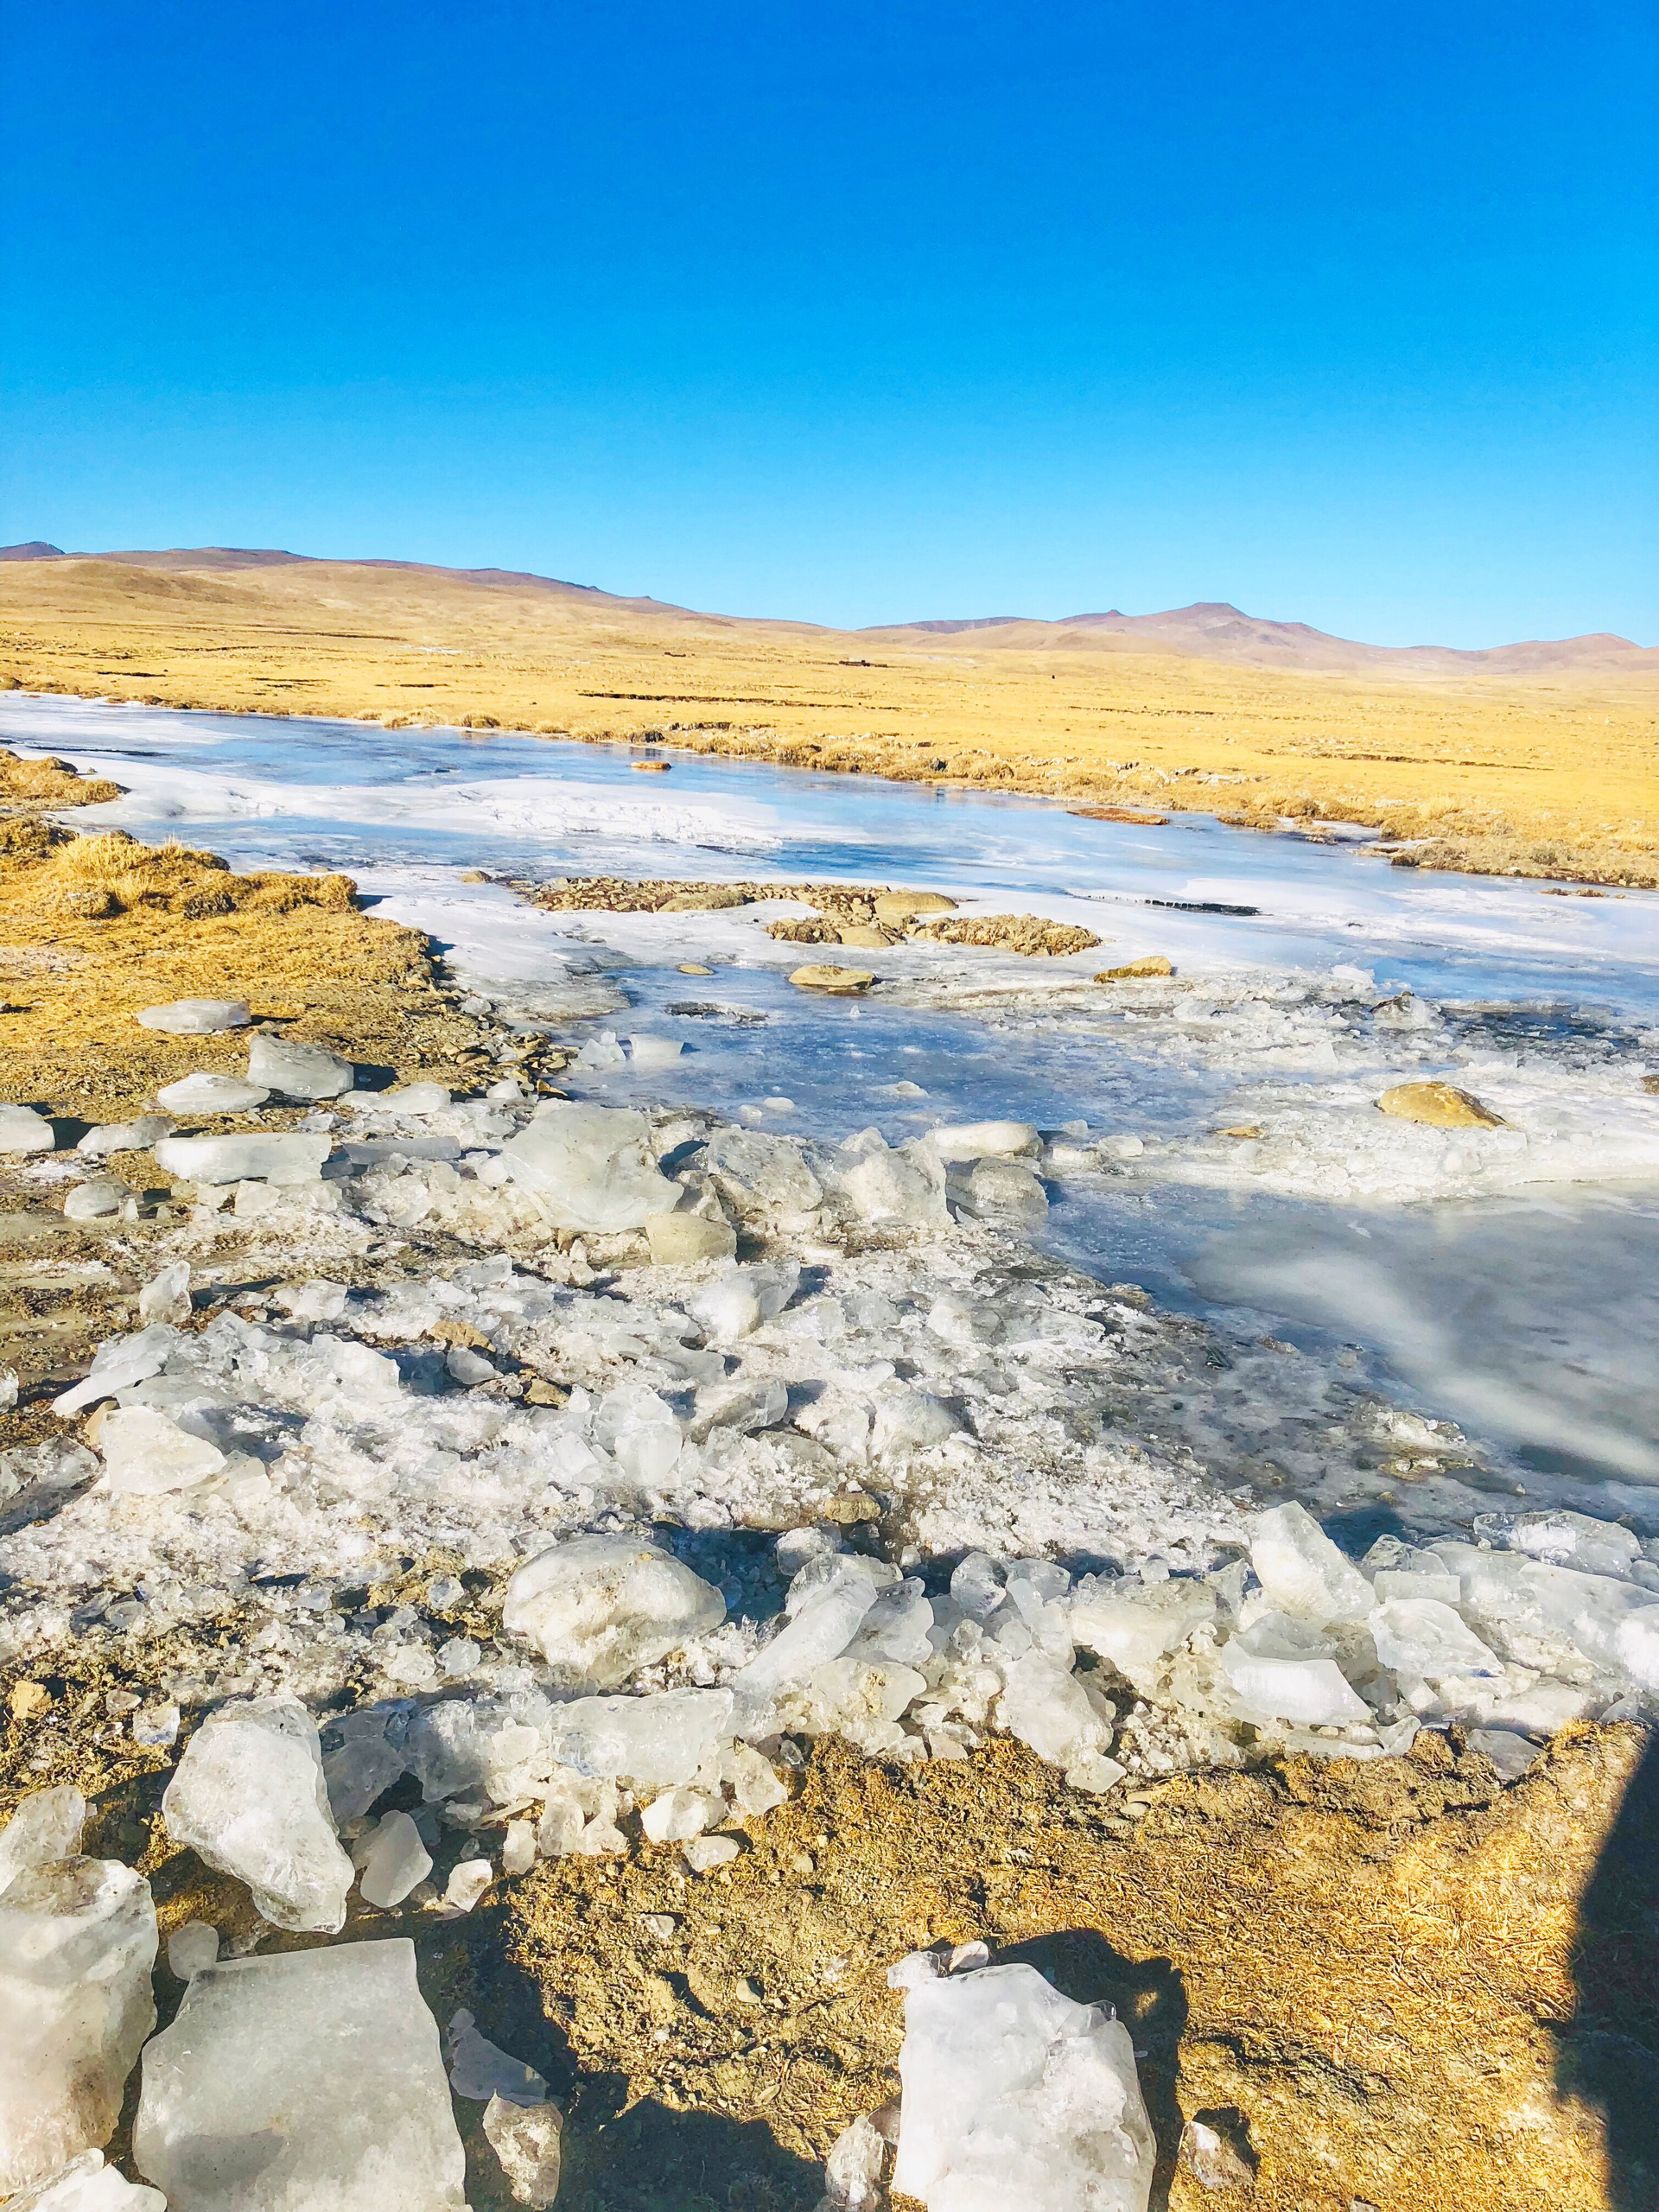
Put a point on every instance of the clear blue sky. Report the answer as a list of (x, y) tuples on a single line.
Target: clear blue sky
[(857, 312)]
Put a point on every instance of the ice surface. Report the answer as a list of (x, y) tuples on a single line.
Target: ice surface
[(654, 1742), (77, 1942), (395, 1861), (297, 1070), (311, 2082), (1013, 2095), (205, 1093), (46, 1826), (1302, 1571), (291, 1158), (601, 1607), (248, 1796), (87, 2185), (590, 1167), (145, 1453), (526, 2141), (195, 1017)]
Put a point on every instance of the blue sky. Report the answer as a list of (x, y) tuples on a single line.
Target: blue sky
[(1349, 315)]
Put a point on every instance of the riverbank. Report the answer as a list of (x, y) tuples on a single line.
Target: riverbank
[(1548, 777)]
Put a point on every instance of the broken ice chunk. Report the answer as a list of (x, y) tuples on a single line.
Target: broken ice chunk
[(1419, 1637), (297, 1070), (1013, 2095), (146, 1455), (310, 2081), (203, 1092), (1565, 1538), (744, 1299), (526, 2141), (970, 1141), (1136, 1624), (480, 2069), (191, 1949), (590, 1166), (1047, 1707), (77, 1942), (45, 1826), (397, 1859), (827, 1604), (117, 1366), (1275, 1677), (1302, 1571), (601, 1607), (654, 1742), (892, 1186), (678, 1814), (249, 1798), (166, 1297), (87, 2185), (291, 1158), (469, 1879), (852, 2172), (364, 1766)]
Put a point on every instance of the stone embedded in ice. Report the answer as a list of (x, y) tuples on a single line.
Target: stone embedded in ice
[(78, 1943), (480, 2069), (590, 1167), (678, 1814), (248, 1797), (285, 1160), (761, 1174), (135, 1135), (118, 1364), (192, 1949), (962, 1141), (852, 2172), (21, 1129), (395, 1861), (1302, 1571), (685, 1240), (205, 1093), (166, 1296), (297, 1070), (45, 1828), (655, 1742), (1047, 1708), (195, 1017), (893, 1187), (1136, 1624), (309, 2081), (827, 1604), (87, 2185), (145, 1454), (526, 2141), (1421, 1637), (601, 1607), (1013, 2095)]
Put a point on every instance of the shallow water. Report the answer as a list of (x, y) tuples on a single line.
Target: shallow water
[(1527, 1318)]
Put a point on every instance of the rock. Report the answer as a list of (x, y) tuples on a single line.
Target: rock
[(590, 1167), (248, 1796), (98, 1200), (146, 1455), (864, 937), (1439, 1105), (839, 982), (298, 1070), (1013, 2095), (126, 1136), (1303, 1572), (962, 1142), (45, 1828), (526, 2141), (166, 1297), (311, 2082), (207, 1093), (192, 1949), (601, 1607), (195, 1017), (654, 1742), (682, 1240), (895, 908), (480, 2069), (21, 1129), (87, 2185), (294, 1157), (118, 1364), (77, 1942), (395, 1861), (704, 902), (1155, 963)]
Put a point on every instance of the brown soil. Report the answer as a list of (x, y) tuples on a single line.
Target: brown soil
[(1547, 774)]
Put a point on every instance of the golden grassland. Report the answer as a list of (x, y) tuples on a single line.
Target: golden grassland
[(1555, 775)]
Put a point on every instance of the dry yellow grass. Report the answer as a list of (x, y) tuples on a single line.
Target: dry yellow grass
[(1554, 774)]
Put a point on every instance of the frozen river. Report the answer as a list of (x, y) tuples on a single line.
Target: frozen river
[(1504, 1281)]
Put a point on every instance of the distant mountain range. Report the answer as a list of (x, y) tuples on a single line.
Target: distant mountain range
[(1211, 630)]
